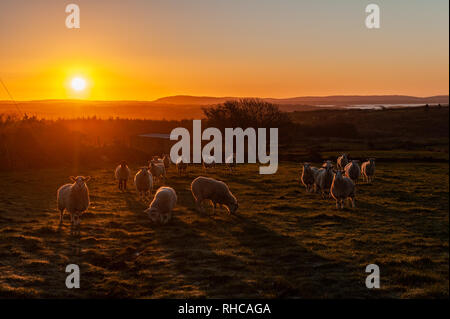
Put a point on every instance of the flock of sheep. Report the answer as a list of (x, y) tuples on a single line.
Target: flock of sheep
[(74, 198), (341, 183)]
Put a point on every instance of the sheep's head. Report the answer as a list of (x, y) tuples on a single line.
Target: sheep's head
[(80, 181), (123, 164), (372, 160), (306, 165), (156, 216), (233, 205), (153, 214)]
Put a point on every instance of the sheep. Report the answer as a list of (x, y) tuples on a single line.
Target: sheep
[(323, 178), (368, 170), (230, 162), (166, 161), (204, 188), (341, 189), (308, 176), (181, 165), (160, 209), (158, 170), (210, 162), (342, 161), (353, 171), (122, 174), (143, 181), (74, 198)]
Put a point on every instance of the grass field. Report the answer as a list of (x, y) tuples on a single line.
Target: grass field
[(285, 243)]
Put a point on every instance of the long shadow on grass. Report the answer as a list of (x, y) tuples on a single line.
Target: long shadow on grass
[(289, 270), (189, 260)]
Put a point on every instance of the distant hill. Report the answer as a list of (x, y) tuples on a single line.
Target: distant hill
[(190, 107), (313, 100)]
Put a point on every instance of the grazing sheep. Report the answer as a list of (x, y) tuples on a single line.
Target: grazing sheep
[(230, 162), (143, 180), (209, 163), (353, 171), (342, 161), (341, 189), (122, 174), (160, 209), (324, 178), (74, 198), (204, 188), (158, 171), (368, 170), (166, 161), (181, 166), (308, 176)]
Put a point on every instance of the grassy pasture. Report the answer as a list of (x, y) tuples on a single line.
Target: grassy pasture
[(284, 243)]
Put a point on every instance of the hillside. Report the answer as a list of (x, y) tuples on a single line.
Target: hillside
[(314, 100), (188, 107)]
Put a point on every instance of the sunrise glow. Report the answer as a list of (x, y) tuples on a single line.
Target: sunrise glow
[(78, 84)]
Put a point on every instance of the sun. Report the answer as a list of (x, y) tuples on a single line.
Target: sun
[(78, 84)]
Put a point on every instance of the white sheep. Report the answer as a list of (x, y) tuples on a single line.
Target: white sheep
[(122, 174), (158, 171), (181, 165), (342, 161), (204, 188), (368, 170), (324, 178), (308, 176), (143, 181), (74, 198), (160, 209), (353, 171), (341, 189)]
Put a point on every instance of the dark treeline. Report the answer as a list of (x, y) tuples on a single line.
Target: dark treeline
[(28, 142)]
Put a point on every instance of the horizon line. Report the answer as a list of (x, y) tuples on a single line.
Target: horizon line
[(231, 97)]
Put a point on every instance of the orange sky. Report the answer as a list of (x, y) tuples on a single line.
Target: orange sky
[(142, 50)]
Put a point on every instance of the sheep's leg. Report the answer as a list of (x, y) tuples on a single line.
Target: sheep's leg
[(214, 207), (353, 202), (125, 185), (61, 215), (337, 204), (198, 205)]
